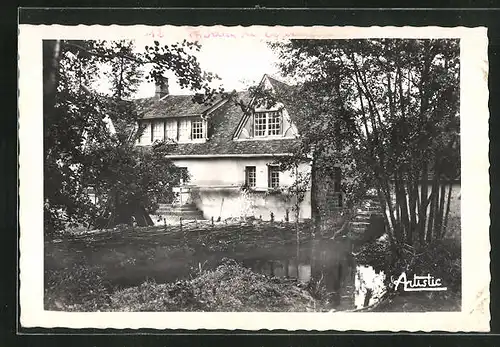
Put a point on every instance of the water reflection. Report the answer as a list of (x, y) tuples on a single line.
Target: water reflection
[(369, 286), (320, 263), (329, 263)]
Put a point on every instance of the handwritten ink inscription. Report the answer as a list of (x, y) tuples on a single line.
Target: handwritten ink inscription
[(198, 35)]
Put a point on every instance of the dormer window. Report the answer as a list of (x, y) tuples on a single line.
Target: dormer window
[(274, 123), (197, 129), (267, 124)]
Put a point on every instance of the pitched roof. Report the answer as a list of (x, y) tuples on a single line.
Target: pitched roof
[(285, 94), (279, 86), (171, 106), (222, 125)]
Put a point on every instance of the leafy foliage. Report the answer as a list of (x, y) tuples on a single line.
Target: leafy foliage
[(440, 258), (127, 177), (80, 288), (386, 111), (81, 149)]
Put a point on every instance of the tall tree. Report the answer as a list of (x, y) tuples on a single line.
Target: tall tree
[(387, 111), (78, 144)]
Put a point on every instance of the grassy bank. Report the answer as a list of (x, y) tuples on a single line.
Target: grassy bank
[(229, 287), (112, 270)]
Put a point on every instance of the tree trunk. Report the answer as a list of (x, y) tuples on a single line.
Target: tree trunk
[(438, 225), (445, 223), (422, 205), (432, 210), (297, 203), (405, 220), (398, 205), (314, 197), (51, 57), (413, 197)]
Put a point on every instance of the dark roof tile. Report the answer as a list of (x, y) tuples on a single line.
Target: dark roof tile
[(222, 126), (171, 106)]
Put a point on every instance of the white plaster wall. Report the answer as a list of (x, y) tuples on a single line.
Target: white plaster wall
[(217, 192), (224, 172)]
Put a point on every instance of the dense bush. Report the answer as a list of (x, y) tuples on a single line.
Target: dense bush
[(229, 287), (440, 259), (79, 288)]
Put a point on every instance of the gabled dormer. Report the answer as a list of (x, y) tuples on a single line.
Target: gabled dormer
[(265, 120)]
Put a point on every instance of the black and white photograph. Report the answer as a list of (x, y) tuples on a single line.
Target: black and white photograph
[(259, 170)]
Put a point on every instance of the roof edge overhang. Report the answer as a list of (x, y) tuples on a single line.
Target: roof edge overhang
[(209, 156), (203, 114)]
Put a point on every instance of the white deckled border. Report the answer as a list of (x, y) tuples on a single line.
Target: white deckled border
[(475, 187)]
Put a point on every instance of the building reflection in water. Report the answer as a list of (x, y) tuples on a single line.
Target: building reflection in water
[(330, 262)]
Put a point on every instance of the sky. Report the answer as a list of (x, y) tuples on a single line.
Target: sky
[(239, 62)]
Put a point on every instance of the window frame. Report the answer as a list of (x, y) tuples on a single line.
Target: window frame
[(251, 176), (273, 169), (258, 125), (197, 127), (158, 128), (184, 130), (171, 129), (263, 118), (276, 123)]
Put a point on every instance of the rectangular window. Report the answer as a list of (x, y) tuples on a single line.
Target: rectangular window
[(274, 124), (250, 176), (184, 129), (273, 176), (267, 124), (197, 129), (171, 129), (158, 131), (260, 124)]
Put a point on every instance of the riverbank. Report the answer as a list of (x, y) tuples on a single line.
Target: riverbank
[(158, 269), (228, 288)]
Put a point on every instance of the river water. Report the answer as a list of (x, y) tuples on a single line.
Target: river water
[(329, 262)]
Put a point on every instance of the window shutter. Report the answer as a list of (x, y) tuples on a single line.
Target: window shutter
[(268, 176), (251, 120), (266, 133), (151, 125), (280, 117)]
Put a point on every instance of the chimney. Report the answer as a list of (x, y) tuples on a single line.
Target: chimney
[(161, 87)]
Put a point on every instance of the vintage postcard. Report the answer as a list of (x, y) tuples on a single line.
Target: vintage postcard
[(262, 177)]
